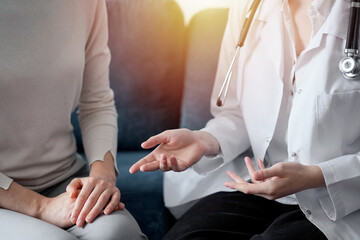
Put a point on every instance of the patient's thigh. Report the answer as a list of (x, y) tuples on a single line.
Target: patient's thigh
[(118, 225), (15, 226)]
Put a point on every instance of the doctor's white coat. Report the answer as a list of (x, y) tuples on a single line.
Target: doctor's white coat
[(324, 122)]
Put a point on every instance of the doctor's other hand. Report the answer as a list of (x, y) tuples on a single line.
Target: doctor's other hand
[(177, 150), (280, 180)]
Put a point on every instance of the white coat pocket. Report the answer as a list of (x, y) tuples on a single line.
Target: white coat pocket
[(338, 119)]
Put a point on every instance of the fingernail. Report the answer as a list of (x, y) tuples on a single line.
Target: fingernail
[(73, 220), (89, 219), (79, 223)]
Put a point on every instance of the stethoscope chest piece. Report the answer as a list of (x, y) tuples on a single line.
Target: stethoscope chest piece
[(350, 68), (350, 65)]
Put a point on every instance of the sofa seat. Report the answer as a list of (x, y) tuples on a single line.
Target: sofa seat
[(142, 194)]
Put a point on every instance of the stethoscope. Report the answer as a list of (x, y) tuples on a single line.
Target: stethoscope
[(349, 66)]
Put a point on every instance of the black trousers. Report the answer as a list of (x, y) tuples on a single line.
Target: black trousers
[(234, 215)]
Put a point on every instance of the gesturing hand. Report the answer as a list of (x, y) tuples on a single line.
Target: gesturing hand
[(178, 150), (251, 169), (280, 180), (94, 196)]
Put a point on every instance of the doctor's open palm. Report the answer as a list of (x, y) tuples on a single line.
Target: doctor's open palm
[(177, 150)]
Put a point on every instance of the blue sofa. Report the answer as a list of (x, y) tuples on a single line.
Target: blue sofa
[(162, 74)]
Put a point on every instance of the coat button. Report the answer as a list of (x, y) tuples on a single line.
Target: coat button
[(293, 154), (299, 91), (308, 211)]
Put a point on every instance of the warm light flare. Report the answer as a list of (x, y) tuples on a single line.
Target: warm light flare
[(191, 7)]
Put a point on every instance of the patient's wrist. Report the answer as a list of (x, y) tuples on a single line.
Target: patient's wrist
[(104, 169), (39, 206)]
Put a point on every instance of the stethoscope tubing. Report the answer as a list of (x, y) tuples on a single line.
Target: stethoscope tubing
[(243, 34), (352, 41), (225, 86), (349, 65)]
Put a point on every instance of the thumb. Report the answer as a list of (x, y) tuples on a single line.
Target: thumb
[(263, 174), (73, 187), (156, 140)]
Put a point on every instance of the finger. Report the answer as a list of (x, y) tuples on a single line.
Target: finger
[(89, 205), (113, 204), (153, 166), (264, 174), (73, 187), (155, 140), (249, 166), (235, 177), (236, 185), (104, 205), (260, 164), (145, 160), (175, 165), (163, 163), (178, 165), (248, 188), (231, 185), (121, 206), (80, 201)]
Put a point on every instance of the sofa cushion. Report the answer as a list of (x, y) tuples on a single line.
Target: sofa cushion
[(142, 194), (146, 39), (204, 37)]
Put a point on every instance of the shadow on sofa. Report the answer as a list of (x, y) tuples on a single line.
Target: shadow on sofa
[(162, 74)]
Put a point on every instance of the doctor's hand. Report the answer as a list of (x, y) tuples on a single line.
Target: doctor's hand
[(252, 170), (280, 180), (178, 150), (96, 194)]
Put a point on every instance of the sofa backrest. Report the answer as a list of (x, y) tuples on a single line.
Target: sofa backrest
[(146, 39), (162, 74), (204, 37)]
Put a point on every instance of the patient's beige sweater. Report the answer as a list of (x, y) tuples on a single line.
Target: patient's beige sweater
[(53, 57)]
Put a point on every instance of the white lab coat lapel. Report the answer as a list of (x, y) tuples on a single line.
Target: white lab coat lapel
[(264, 85), (336, 25)]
